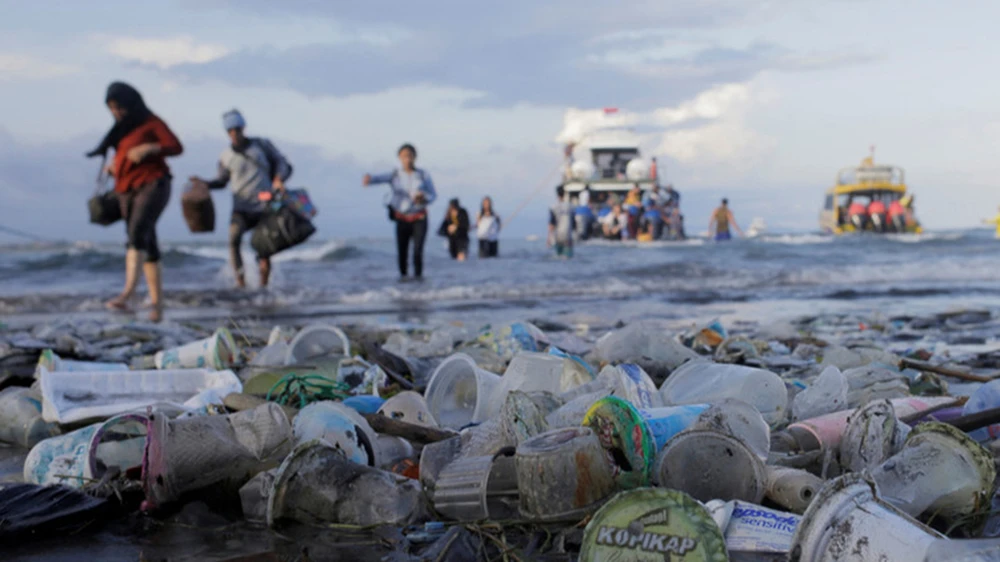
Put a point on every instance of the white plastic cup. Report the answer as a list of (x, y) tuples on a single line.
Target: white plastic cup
[(409, 407), (738, 419), (21, 420), (77, 458), (318, 340), (219, 351), (847, 522), (538, 372), (340, 426), (701, 381), (461, 393), (626, 381), (939, 469)]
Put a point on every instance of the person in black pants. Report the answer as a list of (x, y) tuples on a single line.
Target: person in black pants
[(487, 230), (412, 191), (456, 228)]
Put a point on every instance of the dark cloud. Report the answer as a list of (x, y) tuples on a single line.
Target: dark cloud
[(537, 52)]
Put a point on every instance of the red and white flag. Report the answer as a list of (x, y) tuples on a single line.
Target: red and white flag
[(610, 110)]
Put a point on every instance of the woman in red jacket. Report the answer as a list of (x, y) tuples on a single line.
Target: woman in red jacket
[(141, 141)]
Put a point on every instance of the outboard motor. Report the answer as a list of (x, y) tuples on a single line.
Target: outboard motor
[(898, 223), (859, 220), (879, 222)]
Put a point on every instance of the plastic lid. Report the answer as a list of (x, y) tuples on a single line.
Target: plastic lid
[(653, 524)]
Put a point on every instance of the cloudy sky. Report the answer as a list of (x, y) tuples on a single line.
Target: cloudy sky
[(760, 101)]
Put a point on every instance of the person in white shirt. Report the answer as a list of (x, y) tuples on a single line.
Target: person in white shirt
[(488, 230)]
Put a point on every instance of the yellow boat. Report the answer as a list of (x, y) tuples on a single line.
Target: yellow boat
[(864, 184)]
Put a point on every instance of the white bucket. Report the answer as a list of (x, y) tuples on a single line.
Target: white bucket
[(219, 351), (317, 341), (75, 397), (51, 362), (460, 393), (409, 407), (939, 469), (847, 522), (710, 465), (702, 381), (82, 456)]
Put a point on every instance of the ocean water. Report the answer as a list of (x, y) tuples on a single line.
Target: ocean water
[(772, 276)]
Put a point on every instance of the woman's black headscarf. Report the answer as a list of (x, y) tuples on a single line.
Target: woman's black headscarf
[(129, 98)]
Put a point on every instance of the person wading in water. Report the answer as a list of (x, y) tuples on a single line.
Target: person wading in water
[(412, 191), (142, 142), (722, 219)]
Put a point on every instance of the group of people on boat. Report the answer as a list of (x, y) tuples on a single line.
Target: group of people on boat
[(882, 213), (653, 216)]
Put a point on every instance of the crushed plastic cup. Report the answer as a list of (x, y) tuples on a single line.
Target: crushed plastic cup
[(827, 393), (848, 522), (219, 351), (435, 457), (315, 342), (509, 340), (738, 419), (51, 362), (316, 484), (521, 417), (825, 432), (939, 469), (845, 358), (653, 524), (792, 488), (460, 392), (409, 407), (753, 530), (537, 372), (562, 475), (340, 427), (646, 344), (703, 381), (585, 370), (873, 434), (626, 439), (21, 420), (627, 381), (254, 495), (393, 450), (76, 397), (711, 465), (477, 488), (83, 456), (188, 454)]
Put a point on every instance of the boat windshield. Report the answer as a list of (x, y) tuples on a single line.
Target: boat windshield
[(870, 174), (611, 163)]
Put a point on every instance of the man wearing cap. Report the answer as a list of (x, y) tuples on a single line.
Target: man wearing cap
[(252, 167)]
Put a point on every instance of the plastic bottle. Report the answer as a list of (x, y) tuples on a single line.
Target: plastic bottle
[(827, 393)]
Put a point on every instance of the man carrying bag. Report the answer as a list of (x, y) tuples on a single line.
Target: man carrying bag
[(253, 167)]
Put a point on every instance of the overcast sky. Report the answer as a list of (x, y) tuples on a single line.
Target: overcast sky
[(759, 101)]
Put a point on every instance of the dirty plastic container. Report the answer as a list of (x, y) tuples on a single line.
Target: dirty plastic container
[(562, 475), (974, 550), (188, 454), (339, 426), (521, 417), (847, 522), (711, 465), (939, 469), (82, 456), (626, 439), (738, 419), (51, 362), (21, 420), (316, 341), (254, 494), (435, 457), (873, 434), (317, 485), (75, 397), (985, 397), (219, 351), (792, 488), (477, 488), (409, 407), (460, 392), (827, 393), (707, 382), (667, 421)]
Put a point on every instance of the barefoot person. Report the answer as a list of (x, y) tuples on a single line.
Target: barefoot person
[(141, 141), (722, 219), (412, 190), (251, 166), (455, 228), (487, 229)]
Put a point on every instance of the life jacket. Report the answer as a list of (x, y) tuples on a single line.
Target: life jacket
[(856, 209), (876, 208)]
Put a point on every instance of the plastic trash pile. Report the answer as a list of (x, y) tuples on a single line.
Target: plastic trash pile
[(833, 438)]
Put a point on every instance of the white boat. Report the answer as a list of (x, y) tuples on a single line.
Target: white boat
[(757, 228)]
